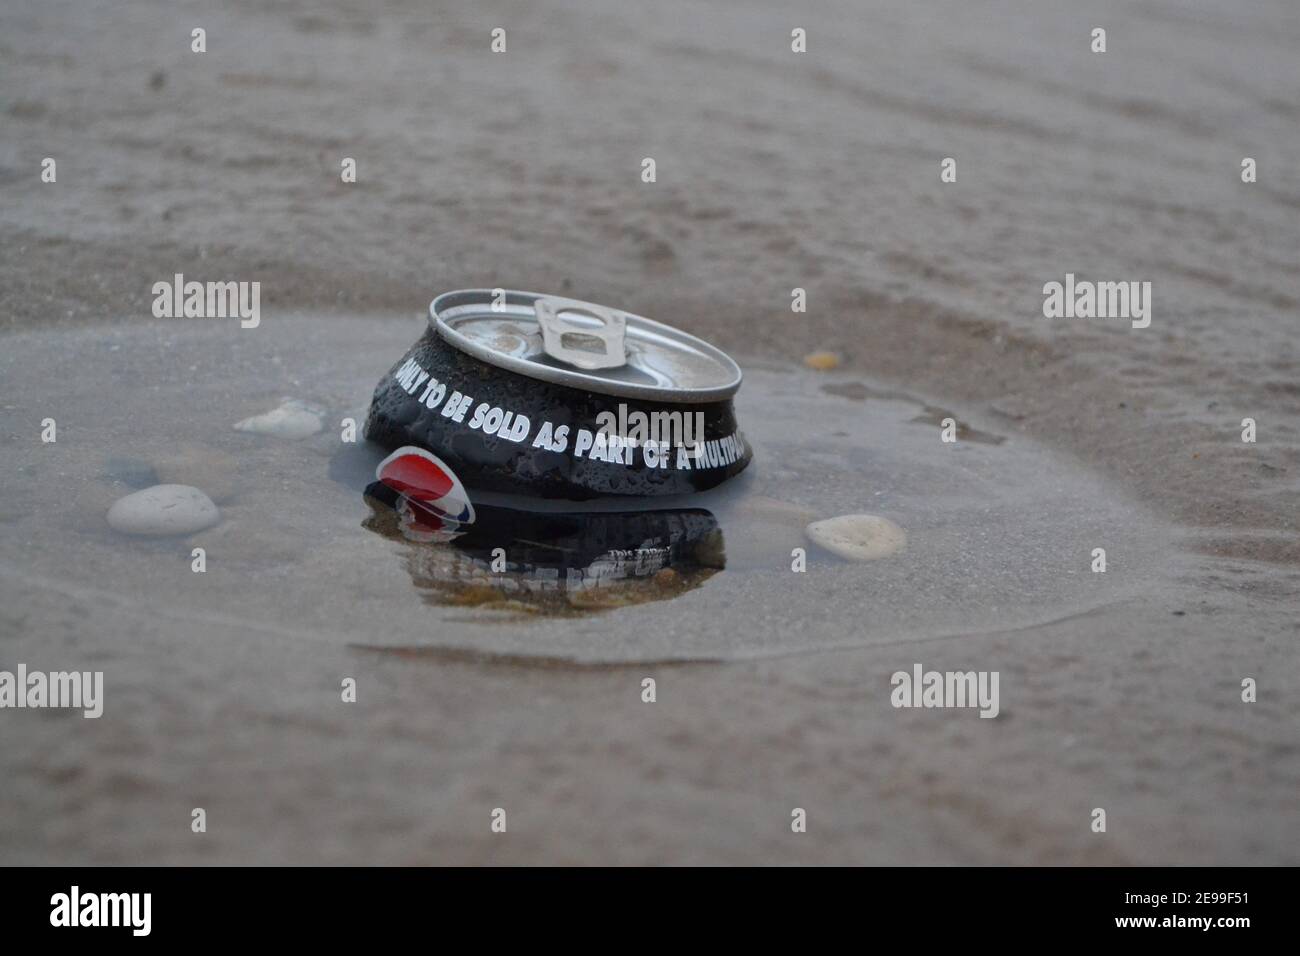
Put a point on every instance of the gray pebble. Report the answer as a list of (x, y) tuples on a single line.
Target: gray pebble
[(164, 510)]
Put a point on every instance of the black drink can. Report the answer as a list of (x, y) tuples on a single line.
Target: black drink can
[(556, 398)]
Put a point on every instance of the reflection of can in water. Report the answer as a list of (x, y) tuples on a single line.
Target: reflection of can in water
[(535, 550), (558, 398)]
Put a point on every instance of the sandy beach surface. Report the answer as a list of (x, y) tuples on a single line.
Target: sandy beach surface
[(774, 170)]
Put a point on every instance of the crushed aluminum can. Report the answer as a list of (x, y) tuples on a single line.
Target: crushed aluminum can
[(557, 398)]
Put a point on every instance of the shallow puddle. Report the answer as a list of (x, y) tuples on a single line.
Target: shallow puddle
[(999, 533)]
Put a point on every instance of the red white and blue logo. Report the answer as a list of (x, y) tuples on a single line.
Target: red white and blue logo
[(427, 483)]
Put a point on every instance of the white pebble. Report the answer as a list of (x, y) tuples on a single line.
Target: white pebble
[(857, 537), (293, 420), (164, 510)]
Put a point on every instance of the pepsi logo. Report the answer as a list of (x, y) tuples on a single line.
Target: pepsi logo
[(428, 483)]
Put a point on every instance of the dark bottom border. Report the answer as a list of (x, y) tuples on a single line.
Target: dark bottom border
[(975, 906)]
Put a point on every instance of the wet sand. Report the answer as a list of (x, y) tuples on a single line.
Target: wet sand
[(775, 170)]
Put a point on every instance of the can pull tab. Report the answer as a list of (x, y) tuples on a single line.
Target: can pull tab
[(563, 339)]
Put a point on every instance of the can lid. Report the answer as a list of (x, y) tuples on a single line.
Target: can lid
[(584, 345)]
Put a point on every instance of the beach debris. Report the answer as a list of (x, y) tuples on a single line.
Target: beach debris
[(164, 510), (859, 537), (293, 420), (562, 399), (822, 361)]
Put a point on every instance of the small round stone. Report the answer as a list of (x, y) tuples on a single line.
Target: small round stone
[(293, 420), (857, 537), (164, 510), (822, 361)]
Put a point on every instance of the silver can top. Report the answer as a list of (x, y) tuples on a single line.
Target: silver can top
[(583, 345)]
